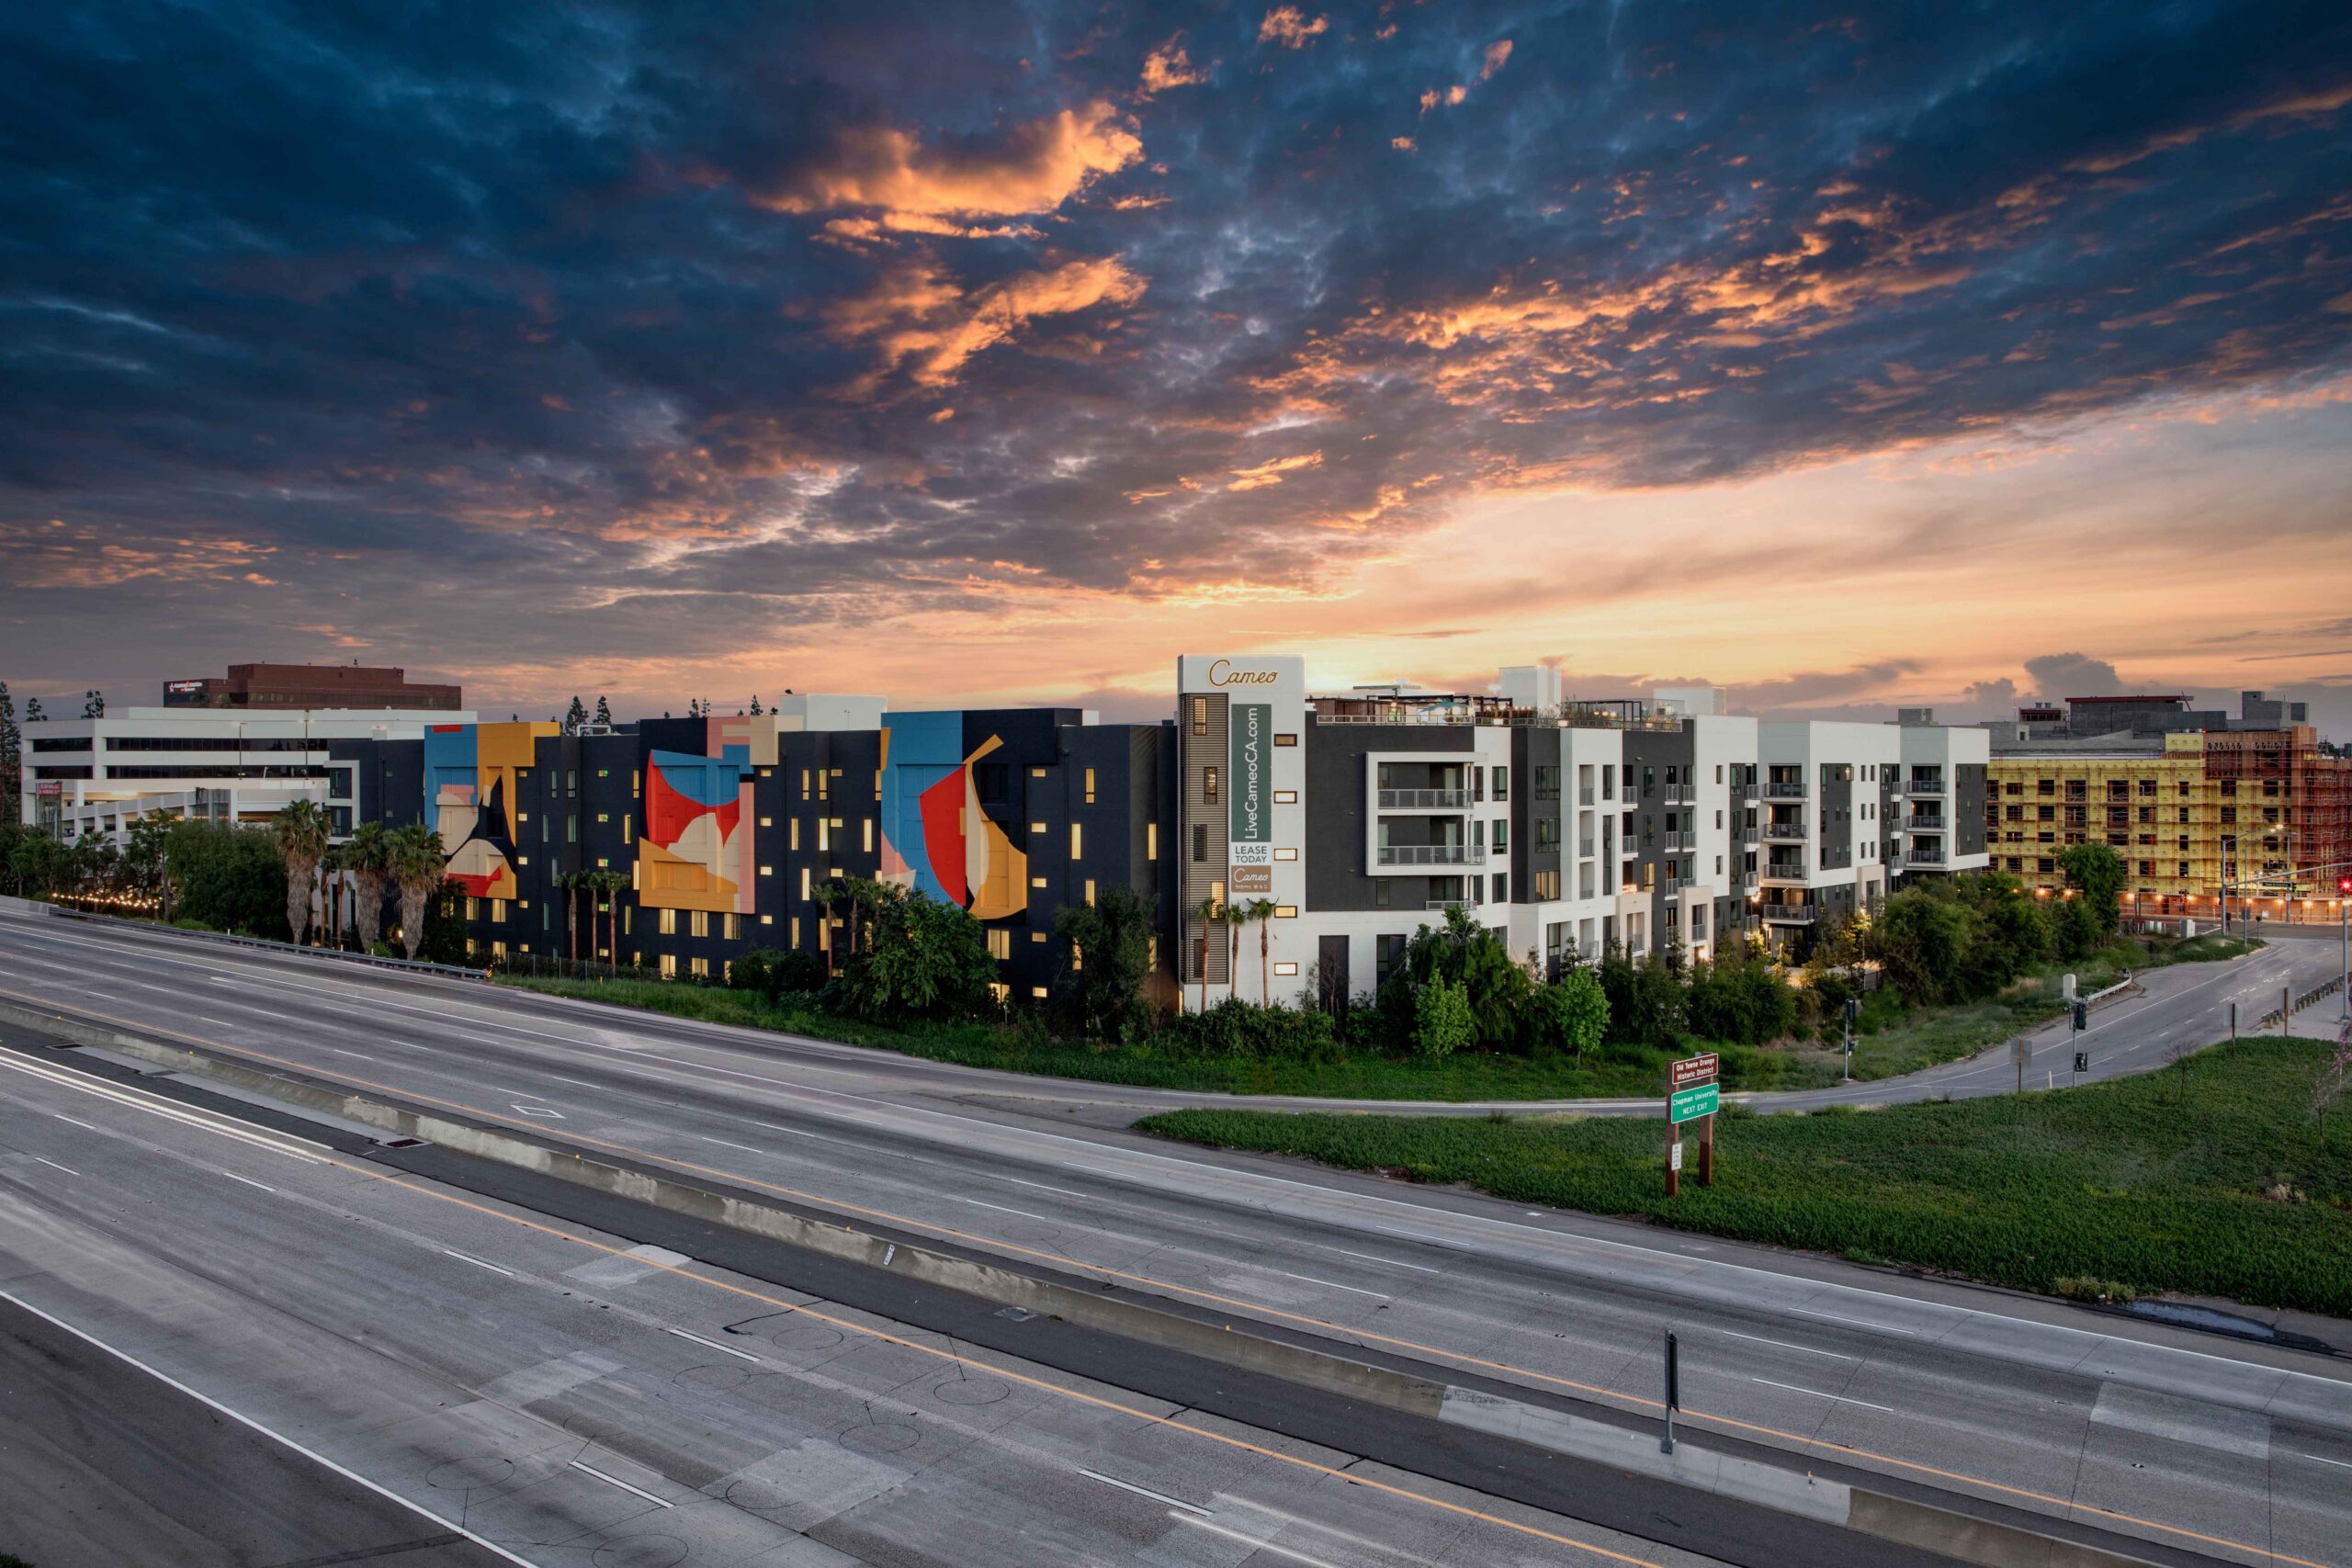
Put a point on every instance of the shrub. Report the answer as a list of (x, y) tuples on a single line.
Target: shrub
[(1103, 996), (1443, 1023), (1236, 1028), (921, 958)]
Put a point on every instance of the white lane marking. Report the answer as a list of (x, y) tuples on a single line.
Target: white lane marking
[(1145, 1491), (1393, 1263), (1816, 1393), (244, 1420), (54, 1166), (1043, 1188), (725, 1145), (142, 1100), (2340, 1464), (1253, 1542), (217, 1022), (249, 1182), (1759, 1339), (617, 1481), (1002, 1210), (713, 1345), (341, 1052), (1865, 1324), (1328, 1284), (539, 1112), (479, 1264)]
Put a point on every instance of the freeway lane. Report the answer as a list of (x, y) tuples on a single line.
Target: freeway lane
[(2020, 1397), (565, 1398)]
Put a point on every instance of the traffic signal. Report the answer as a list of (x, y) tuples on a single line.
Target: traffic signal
[(2344, 886), (2082, 1015)]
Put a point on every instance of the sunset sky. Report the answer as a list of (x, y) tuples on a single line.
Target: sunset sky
[(975, 353)]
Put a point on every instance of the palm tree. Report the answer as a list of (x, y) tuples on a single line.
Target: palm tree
[(369, 855), (303, 829), (569, 882), (416, 862), (1235, 917), (332, 865), (1262, 911), (609, 884), (1208, 911)]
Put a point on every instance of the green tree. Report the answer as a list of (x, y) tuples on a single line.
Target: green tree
[(2076, 925), (1442, 1024), (2095, 873), (369, 856), (302, 830), (1103, 998), (228, 878), (417, 865), (1208, 911), (32, 711), (1262, 914), (94, 703), (145, 859), (11, 756), (604, 710), (1919, 941), (1572, 1012), (1468, 954), (575, 715), (921, 958)]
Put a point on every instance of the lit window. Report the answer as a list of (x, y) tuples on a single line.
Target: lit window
[(1286, 797), (792, 840), (767, 821), (999, 943), (1090, 892), (1037, 936), (1037, 882), (767, 871), (767, 920), (1090, 786), (1284, 740), (1285, 854), (1151, 841), (1038, 992), (1286, 912), (1285, 968), (869, 835), (1038, 829), (1077, 842)]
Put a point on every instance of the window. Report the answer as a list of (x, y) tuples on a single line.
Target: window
[(1037, 830), (804, 882), (1284, 738), (1286, 797), (824, 835), (669, 966), (1151, 841), (767, 821), (667, 924), (1286, 912), (866, 835), (1077, 842), (698, 968), (1502, 883), (1285, 854), (1200, 842), (1037, 882), (498, 911), (1090, 786), (1502, 783), (1382, 893), (792, 834), (1090, 892), (1208, 785), (1502, 835), (1285, 968), (1200, 716), (731, 927), (1000, 942)]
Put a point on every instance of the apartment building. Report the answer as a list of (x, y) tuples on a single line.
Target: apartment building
[(727, 830), (2190, 799), (1562, 826)]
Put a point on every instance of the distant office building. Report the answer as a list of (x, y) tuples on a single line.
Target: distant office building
[(296, 686)]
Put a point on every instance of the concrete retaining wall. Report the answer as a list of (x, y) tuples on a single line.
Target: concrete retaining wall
[(1894, 1519)]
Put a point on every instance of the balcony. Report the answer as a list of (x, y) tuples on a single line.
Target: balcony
[(1918, 823), (1628, 845), (1424, 800), (1584, 848), (1784, 871), (1430, 854), (1784, 789), (1682, 839), (1925, 786), (1785, 832), (1682, 795), (1584, 794), (1746, 832), (1676, 885), (1788, 914), (1449, 904), (1751, 880), (1931, 858)]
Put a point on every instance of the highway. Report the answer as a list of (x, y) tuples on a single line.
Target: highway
[(2184, 1442)]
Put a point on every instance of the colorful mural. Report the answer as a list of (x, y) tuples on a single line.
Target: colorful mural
[(471, 781), (936, 838), (696, 852)]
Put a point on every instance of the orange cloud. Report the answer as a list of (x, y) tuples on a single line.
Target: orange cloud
[(1497, 56), (1271, 472), (1167, 67), (1036, 168), (1286, 26), (916, 313)]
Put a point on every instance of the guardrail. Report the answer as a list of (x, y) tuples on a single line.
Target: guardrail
[(2311, 997), (1425, 800), (1430, 854), (323, 954)]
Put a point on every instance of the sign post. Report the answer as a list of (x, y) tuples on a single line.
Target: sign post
[(2023, 1047), (1692, 1095)]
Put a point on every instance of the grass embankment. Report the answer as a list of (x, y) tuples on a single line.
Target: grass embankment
[(1351, 1076), (1893, 1040), (2207, 1178)]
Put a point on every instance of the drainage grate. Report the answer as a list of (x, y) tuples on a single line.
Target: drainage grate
[(1018, 1314), (400, 1142)]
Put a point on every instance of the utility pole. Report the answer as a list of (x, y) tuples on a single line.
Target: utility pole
[(1852, 1007), (2344, 919)]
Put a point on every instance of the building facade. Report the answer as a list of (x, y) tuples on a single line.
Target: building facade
[(2191, 800), (299, 686)]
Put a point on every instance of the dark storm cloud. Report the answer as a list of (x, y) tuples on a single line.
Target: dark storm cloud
[(825, 311)]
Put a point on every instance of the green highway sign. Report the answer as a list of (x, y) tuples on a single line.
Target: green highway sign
[(1690, 1104)]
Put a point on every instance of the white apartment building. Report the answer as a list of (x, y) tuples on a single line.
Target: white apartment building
[(82, 775)]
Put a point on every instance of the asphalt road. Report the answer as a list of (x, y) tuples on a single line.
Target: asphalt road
[(543, 1392), (2242, 1453), (103, 1464)]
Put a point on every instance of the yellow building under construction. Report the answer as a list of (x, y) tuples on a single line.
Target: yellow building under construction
[(2156, 809)]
